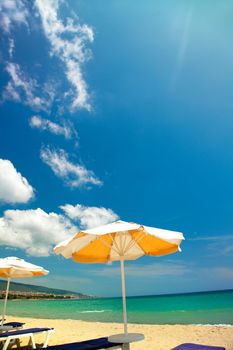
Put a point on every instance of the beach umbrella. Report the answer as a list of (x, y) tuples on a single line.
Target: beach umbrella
[(13, 267), (122, 241)]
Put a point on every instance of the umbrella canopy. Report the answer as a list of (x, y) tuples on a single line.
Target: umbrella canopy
[(13, 267), (119, 241)]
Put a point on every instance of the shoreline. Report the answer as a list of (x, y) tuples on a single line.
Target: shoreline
[(159, 337), (131, 323)]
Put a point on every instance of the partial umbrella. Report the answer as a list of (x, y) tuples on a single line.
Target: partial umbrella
[(13, 267)]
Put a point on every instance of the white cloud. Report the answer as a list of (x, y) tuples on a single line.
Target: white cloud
[(68, 43), (183, 47), (12, 12), (218, 245), (66, 129), (212, 238), (35, 231), (155, 269), (11, 47), (225, 273), (21, 88), (73, 280), (74, 175), (187, 272), (89, 217), (14, 188)]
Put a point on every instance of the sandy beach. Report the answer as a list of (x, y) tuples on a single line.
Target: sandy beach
[(157, 337)]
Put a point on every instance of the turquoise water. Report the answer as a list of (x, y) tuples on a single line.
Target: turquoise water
[(195, 308)]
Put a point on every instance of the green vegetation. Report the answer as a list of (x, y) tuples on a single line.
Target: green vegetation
[(29, 291)]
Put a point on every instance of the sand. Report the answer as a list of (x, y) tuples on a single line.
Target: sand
[(157, 337)]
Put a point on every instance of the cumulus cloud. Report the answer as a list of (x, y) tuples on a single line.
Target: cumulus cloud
[(74, 175), (12, 12), (22, 88), (68, 43), (35, 231), (14, 188), (66, 129), (89, 217)]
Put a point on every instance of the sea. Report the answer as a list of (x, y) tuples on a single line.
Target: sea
[(208, 308)]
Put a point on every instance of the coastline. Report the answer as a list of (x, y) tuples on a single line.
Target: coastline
[(159, 337), (213, 308)]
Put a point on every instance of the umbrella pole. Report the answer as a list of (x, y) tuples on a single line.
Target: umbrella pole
[(5, 301), (123, 294)]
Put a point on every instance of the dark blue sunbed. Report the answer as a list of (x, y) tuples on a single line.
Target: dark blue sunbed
[(13, 324), (24, 331), (93, 344), (7, 337), (192, 346)]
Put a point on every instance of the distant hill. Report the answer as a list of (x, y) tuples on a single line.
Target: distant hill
[(30, 288)]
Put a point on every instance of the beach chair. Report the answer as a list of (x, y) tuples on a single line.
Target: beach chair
[(8, 337), (193, 346), (7, 326), (92, 344)]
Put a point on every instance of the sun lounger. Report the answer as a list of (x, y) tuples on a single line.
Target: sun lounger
[(13, 324), (93, 344), (192, 346), (8, 337), (7, 326)]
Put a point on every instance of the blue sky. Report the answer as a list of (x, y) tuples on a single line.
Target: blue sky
[(115, 109)]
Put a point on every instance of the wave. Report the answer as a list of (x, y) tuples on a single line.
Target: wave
[(214, 324), (92, 311)]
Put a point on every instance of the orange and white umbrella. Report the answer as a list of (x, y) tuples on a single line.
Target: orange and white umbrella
[(13, 267), (119, 241)]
